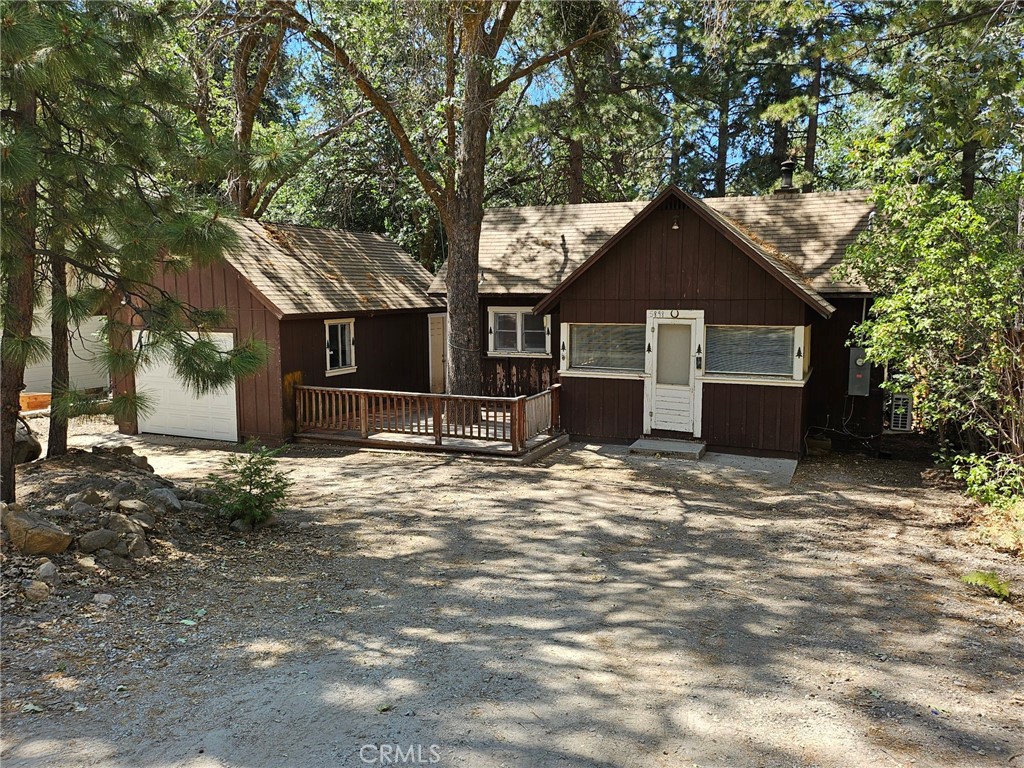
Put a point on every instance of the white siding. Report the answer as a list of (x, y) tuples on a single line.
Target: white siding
[(81, 359)]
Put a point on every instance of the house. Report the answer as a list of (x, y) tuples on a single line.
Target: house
[(86, 371), (335, 308), (716, 320)]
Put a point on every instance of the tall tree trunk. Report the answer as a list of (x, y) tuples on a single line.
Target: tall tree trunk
[(576, 183), (18, 300), (579, 106), (780, 147), (722, 145), (466, 213), (60, 378), (812, 125), (969, 169)]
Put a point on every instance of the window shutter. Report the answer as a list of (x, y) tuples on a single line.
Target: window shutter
[(751, 350), (617, 347)]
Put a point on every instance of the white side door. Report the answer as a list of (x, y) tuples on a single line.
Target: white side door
[(177, 411), (438, 339), (673, 388)]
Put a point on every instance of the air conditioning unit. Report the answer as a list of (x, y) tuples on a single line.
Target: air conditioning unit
[(901, 412)]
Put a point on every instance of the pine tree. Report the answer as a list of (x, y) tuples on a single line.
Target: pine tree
[(90, 154)]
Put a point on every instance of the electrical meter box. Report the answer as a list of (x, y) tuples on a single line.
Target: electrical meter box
[(859, 384)]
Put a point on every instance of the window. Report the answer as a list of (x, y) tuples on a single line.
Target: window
[(517, 331), (341, 357), (607, 347), (751, 350)]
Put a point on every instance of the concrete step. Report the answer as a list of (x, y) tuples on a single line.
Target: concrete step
[(676, 449)]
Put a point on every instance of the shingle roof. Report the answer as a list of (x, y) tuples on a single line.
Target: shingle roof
[(533, 249), (306, 270), (812, 229)]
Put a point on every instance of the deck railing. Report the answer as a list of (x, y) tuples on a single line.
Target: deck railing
[(514, 420)]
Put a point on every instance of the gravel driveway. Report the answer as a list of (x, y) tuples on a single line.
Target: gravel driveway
[(596, 610)]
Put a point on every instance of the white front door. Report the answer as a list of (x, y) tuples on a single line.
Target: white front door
[(673, 391), (438, 342)]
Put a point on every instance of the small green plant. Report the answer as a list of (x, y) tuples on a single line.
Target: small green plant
[(250, 486), (988, 582), (995, 479)]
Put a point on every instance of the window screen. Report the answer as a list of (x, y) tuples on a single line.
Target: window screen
[(745, 349), (506, 335), (618, 347), (339, 348), (534, 333)]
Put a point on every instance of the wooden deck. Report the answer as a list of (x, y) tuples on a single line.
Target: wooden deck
[(489, 426)]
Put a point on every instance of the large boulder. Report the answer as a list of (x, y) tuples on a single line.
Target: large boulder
[(121, 524), (164, 499), (33, 535), (26, 447), (102, 538)]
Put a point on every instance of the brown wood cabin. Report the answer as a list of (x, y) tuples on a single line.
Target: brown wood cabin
[(336, 308), (713, 320)]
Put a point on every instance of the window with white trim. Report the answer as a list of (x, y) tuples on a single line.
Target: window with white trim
[(341, 354), (752, 350), (517, 331), (606, 347)]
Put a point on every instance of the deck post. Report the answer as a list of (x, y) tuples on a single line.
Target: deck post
[(364, 417), (518, 423), (556, 390), (435, 408)]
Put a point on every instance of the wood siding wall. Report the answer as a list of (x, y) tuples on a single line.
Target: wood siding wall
[(505, 376), (221, 286), (692, 267), (755, 419), (391, 352), (828, 406)]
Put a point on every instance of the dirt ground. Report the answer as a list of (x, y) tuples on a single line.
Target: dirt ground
[(594, 610)]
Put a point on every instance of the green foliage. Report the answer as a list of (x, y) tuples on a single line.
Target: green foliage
[(250, 485), (988, 582), (948, 276), (108, 158), (994, 479)]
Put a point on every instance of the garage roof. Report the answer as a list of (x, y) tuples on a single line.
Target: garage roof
[(313, 271)]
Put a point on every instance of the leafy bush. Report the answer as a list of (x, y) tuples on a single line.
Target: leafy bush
[(988, 582), (995, 479), (250, 485)]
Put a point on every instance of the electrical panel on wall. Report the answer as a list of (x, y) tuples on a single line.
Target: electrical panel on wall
[(859, 384)]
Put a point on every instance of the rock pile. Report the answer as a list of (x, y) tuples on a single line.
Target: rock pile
[(110, 530)]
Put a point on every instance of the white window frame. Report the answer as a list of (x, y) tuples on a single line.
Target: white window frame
[(351, 368), (801, 368), (565, 355), (519, 350)]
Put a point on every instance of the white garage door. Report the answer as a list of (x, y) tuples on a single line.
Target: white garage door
[(177, 411)]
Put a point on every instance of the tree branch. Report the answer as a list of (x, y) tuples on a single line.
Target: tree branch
[(497, 34), (300, 23), (503, 85)]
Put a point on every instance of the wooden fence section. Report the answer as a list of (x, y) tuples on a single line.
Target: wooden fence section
[(514, 421)]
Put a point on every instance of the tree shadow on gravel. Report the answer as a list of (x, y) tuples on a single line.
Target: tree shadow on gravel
[(599, 611)]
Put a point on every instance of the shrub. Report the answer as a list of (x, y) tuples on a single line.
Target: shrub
[(995, 479), (250, 485), (988, 582)]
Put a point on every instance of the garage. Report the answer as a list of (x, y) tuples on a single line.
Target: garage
[(177, 411)]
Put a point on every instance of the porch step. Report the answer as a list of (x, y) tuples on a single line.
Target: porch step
[(677, 449)]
